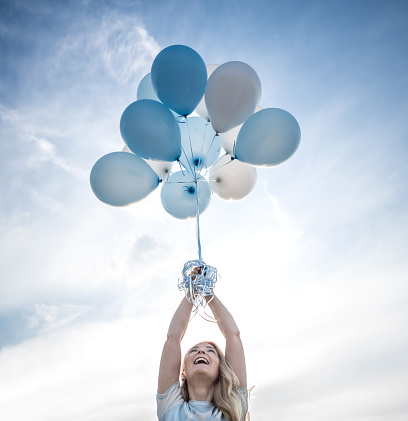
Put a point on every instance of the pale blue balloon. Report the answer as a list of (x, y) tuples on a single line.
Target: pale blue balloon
[(179, 195), (150, 131), (179, 78), (200, 145), (145, 89), (269, 137), (121, 178)]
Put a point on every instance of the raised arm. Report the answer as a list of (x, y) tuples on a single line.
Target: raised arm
[(234, 350), (170, 362)]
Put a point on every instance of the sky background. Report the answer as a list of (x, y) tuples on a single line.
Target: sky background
[(313, 262)]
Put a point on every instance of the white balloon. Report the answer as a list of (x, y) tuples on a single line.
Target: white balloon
[(161, 168), (232, 180), (232, 94), (228, 138), (201, 109)]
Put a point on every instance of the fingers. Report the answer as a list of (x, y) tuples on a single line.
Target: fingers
[(196, 271)]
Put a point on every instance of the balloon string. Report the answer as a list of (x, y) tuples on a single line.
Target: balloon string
[(191, 149), (208, 151), (223, 165), (185, 182), (181, 167), (218, 160), (202, 145), (198, 225), (191, 172)]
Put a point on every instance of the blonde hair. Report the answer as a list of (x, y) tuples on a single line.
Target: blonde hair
[(227, 398)]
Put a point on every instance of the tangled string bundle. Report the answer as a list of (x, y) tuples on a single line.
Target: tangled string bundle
[(198, 285)]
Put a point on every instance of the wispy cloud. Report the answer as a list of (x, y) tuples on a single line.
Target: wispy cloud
[(50, 142)]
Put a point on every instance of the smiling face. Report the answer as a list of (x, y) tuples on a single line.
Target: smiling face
[(202, 360)]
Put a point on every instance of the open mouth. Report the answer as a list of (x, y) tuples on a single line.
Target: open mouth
[(201, 360)]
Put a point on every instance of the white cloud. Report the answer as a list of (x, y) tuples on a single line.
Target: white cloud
[(43, 313), (46, 151), (88, 371)]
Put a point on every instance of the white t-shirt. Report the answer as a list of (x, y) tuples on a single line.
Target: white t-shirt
[(172, 407)]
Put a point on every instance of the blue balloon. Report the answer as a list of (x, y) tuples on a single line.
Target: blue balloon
[(179, 78), (269, 137), (178, 195), (145, 89), (200, 144), (121, 178), (150, 131)]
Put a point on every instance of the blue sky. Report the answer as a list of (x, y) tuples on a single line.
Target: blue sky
[(313, 263)]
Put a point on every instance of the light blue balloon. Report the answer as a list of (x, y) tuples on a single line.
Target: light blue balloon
[(121, 178), (178, 195), (269, 137), (205, 145), (179, 78), (145, 89), (150, 131)]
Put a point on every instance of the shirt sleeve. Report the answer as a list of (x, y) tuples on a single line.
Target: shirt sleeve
[(169, 399), (244, 400)]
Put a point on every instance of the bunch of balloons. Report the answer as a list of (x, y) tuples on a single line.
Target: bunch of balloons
[(216, 151), (158, 130)]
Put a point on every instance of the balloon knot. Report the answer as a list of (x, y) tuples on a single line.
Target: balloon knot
[(189, 189)]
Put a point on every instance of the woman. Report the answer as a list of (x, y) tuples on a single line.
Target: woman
[(213, 386)]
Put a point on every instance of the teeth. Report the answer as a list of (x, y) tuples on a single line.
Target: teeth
[(201, 359)]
